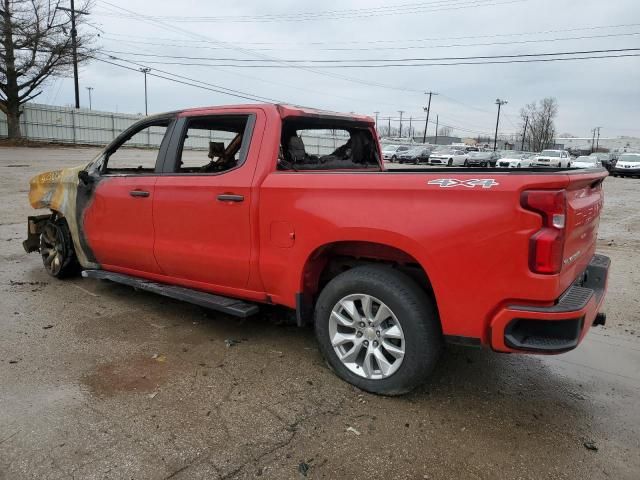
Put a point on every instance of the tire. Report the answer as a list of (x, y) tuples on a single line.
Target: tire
[(419, 333), (450, 162), (466, 163), (393, 159), (483, 165), (56, 248)]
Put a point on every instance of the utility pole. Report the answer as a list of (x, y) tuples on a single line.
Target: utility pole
[(524, 133), (495, 137), (74, 46), (400, 112), (437, 118), (410, 119), (89, 88), (389, 128), (377, 113), (593, 139), (598, 139), (426, 122), (145, 70)]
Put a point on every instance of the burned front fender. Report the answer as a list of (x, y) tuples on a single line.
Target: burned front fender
[(57, 191)]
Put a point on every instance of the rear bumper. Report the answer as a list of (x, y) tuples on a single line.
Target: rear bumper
[(559, 327)]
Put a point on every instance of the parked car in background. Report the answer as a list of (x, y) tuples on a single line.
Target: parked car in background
[(389, 152), (482, 159), (608, 160), (552, 158), (515, 160), (448, 156), (586, 162), (415, 155), (627, 165)]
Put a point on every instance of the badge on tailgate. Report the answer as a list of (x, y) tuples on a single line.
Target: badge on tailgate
[(471, 183)]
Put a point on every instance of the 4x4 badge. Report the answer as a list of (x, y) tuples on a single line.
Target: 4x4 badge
[(471, 183)]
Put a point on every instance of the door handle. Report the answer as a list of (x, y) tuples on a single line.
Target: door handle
[(230, 197), (139, 193)]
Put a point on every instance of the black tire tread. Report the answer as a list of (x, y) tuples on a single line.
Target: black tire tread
[(413, 370)]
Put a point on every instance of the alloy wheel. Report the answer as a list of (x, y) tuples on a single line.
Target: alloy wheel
[(366, 336), (52, 248)]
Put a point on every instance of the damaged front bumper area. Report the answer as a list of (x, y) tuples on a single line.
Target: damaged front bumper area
[(35, 224), (557, 328)]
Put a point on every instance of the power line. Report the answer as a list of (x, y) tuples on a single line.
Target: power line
[(194, 83), (413, 47), (368, 60), (445, 61), (403, 9), (394, 40)]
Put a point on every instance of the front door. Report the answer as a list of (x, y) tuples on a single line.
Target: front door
[(202, 201), (118, 218)]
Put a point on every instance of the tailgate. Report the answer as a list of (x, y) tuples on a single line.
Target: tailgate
[(584, 203)]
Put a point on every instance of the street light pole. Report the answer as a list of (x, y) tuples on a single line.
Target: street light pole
[(437, 119), (89, 88), (598, 139), (145, 70), (400, 112), (377, 113), (495, 137), (426, 122)]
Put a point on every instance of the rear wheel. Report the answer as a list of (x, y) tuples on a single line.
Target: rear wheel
[(450, 162), (466, 163), (378, 330), (56, 249), (393, 159)]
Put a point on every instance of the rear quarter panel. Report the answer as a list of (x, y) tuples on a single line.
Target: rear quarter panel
[(472, 242)]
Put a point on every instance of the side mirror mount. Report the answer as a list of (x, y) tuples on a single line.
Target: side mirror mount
[(85, 177)]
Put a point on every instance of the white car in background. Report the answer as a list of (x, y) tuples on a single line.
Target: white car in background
[(552, 158), (584, 161), (450, 157), (627, 165), (515, 160)]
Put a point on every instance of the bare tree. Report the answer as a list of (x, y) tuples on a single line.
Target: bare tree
[(444, 131), (540, 120), (36, 44)]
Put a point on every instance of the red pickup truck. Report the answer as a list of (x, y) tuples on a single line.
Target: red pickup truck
[(245, 205)]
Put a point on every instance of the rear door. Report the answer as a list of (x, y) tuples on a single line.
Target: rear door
[(117, 221), (202, 201)]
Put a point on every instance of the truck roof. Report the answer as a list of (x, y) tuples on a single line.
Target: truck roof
[(285, 111)]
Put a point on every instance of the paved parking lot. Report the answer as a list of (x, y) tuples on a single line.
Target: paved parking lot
[(100, 381)]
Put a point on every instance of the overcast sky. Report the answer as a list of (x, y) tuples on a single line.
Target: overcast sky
[(603, 92)]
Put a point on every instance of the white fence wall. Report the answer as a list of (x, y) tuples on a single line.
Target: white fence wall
[(67, 125), (49, 123)]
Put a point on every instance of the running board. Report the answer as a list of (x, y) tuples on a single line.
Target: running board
[(219, 303)]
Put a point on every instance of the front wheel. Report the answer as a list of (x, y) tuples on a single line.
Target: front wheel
[(450, 162), (56, 249), (378, 330), (466, 163), (393, 159)]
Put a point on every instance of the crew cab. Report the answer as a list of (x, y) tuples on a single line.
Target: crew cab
[(227, 208)]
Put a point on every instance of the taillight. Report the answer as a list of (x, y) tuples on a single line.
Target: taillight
[(547, 244)]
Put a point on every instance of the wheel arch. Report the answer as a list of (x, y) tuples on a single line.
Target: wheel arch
[(331, 259)]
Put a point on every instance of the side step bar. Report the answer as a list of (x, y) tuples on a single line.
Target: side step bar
[(219, 303)]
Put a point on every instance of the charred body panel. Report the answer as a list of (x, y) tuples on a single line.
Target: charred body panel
[(60, 192)]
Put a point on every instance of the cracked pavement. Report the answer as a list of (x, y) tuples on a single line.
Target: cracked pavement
[(98, 381)]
